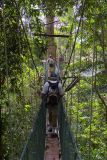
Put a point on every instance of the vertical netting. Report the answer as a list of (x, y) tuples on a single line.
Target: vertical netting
[(35, 146), (68, 145)]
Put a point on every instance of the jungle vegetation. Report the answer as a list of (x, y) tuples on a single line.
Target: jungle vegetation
[(21, 52)]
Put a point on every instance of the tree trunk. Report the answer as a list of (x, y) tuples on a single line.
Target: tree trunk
[(51, 48)]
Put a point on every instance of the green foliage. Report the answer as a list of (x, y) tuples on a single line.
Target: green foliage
[(17, 101), (51, 7), (80, 117)]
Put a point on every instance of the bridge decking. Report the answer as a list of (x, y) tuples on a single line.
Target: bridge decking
[(52, 145)]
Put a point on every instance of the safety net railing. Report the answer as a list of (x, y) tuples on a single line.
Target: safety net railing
[(35, 146), (69, 150)]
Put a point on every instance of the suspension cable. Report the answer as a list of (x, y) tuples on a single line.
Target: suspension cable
[(73, 47), (70, 33), (92, 87), (81, 49)]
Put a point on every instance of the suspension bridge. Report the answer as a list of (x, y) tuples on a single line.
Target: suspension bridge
[(42, 146), (85, 98)]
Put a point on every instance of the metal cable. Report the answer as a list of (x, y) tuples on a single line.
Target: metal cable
[(91, 102), (73, 47)]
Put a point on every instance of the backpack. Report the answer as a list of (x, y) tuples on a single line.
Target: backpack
[(53, 92)]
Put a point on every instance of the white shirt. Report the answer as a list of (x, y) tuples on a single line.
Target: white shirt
[(46, 87)]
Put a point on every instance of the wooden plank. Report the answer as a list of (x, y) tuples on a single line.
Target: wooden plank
[(52, 146), (52, 149)]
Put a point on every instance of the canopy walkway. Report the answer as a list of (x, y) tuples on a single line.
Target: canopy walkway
[(82, 113), (42, 145)]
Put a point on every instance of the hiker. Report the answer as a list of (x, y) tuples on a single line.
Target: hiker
[(50, 60), (50, 65), (53, 91)]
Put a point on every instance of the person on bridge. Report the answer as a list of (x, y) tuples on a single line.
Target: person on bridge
[(52, 91), (50, 65)]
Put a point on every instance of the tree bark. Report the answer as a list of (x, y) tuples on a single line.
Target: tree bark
[(51, 48)]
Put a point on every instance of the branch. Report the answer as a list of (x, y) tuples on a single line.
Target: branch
[(72, 84), (52, 35)]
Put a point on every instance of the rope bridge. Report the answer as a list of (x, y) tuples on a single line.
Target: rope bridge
[(35, 146), (20, 104)]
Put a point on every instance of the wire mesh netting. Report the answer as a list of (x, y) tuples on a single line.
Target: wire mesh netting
[(69, 149), (35, 146)]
